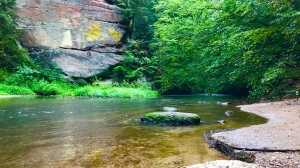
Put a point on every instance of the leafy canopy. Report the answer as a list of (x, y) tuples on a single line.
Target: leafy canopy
[(227, 46)]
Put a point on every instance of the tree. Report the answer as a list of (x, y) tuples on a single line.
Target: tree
[(139, 16), (226, 46), (11, 52)]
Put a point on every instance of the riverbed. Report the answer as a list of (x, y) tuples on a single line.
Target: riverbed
[(94, 132)]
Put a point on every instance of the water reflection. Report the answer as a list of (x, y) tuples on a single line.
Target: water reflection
[(82, 132)]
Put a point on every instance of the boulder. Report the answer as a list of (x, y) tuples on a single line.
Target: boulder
[(85, 36), (224, 164), (171, 118)]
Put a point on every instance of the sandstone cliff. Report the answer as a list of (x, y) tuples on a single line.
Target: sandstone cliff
[(82, 37)]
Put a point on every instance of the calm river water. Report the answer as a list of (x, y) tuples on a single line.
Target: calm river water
[(105, 133)]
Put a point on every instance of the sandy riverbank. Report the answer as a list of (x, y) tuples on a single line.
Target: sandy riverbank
[(275, 144)]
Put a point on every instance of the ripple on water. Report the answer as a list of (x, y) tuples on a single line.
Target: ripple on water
[(76, 132)]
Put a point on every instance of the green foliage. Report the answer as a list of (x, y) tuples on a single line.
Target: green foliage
[(141, 85), (26, 75), (118, 90), (182, 46), (226, 46), (49, 83), (14, 90), (139, 16), (11, 52), (3, 74), (42, 81), (136, 64), (113, 91), (44, 88)]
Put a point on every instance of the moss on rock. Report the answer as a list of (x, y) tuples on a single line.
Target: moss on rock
[(171, 118)]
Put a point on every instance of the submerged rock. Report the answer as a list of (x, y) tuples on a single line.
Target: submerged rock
[(171, 118), (224, 164)]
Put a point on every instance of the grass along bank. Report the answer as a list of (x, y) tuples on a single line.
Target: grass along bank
[(44, 88), (37, 80)]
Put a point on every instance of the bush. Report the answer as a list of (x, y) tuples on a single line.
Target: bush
[(25, 75), (137, 64), (44, 88), (14, 90)]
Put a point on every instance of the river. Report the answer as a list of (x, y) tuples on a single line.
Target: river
[(106, 133)]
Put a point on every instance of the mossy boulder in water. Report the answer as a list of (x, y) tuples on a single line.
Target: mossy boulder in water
[(171, 118)]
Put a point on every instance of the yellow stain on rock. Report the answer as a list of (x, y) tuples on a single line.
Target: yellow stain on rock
[(114, 34), (94, 32)]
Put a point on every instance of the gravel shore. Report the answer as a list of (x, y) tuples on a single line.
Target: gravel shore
[(275, 144), (278, 159)]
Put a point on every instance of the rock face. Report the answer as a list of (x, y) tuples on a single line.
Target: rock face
[(171, 118), (225, 164), (83, 37)]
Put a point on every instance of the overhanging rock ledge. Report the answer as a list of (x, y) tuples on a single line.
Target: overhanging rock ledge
[(82, 37)]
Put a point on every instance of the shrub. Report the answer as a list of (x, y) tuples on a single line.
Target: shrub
[(26, 74), (14, 90), (44, 88)]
